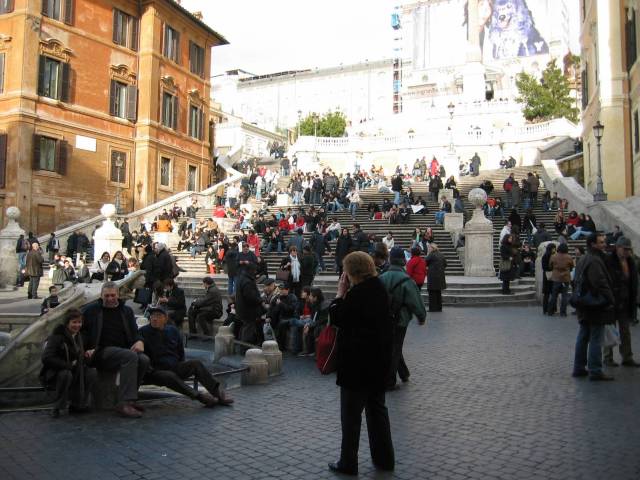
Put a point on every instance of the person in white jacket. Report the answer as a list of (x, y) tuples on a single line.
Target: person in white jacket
[(389, 241)]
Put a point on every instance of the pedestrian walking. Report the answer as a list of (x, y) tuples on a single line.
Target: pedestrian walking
[(33, 269)]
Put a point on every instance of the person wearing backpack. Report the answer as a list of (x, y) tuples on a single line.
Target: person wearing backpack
[(53, 246), (405, 301)]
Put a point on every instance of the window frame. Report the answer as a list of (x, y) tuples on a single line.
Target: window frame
[(4, 141), (122, 179), (130, 101), (131, 29), (64, 12), (197, 59), (171, 122), (171, 46), (195, 178), (196, 129), (3, 61), (63, 79), (7, 6), (169, 184), (60, 154)]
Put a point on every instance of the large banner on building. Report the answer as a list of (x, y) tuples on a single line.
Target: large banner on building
[(508, 28)]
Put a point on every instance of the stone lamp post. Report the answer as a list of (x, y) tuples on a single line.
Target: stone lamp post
[(108, 237), (478, 233), (8, 257)]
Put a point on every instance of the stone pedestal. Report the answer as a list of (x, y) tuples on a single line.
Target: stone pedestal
[(223, 343), (282, 200), (8, 257), (273, 356), (258, 372), (478, 232), (108, 237), (453, 222)]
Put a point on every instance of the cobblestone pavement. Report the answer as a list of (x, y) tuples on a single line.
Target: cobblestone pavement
[(490, 397)]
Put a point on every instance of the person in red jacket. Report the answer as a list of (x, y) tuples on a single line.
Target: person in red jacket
[(417, 267)]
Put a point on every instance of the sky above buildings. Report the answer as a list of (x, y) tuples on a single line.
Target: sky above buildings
[(268, 36)]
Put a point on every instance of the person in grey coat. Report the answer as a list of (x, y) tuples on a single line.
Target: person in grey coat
[(33, 269), (436, 280)]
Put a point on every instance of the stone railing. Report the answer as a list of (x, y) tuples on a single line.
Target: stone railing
[(605, 214), (136, 218), (20, 360), (474, 137)]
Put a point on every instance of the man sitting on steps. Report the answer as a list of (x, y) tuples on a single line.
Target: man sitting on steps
[(168, 366)]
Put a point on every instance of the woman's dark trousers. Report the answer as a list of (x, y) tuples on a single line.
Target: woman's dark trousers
[(352, 403)]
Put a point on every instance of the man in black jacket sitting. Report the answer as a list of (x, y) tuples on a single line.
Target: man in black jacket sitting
[(174, 301), (281, 311), (168, 365), (112, 343), (204, 310)]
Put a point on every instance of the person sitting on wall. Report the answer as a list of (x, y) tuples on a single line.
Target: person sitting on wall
[(168, 368)]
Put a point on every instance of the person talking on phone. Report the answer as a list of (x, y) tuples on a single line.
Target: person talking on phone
[(361, 313)]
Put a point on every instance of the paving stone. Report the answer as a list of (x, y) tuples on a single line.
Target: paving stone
[(490, 397)]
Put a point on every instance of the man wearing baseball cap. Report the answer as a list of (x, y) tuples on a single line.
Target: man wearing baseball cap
[(624, 276), (163, 346)]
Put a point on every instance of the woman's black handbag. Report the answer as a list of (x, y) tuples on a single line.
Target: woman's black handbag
[(143, 296), (583, 298)]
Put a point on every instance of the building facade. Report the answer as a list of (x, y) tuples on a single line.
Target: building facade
[(99, 99), (611, 94), (275, 102)]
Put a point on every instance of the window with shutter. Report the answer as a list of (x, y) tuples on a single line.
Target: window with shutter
[(53, 9), (196, 59), (69, 8), (167, 110), (2, 72), (132, 103), (45, 152), (54, 79), (65, 89), (62, 155), (171, 48), (118, 99), (6, 6), (125, 29), (3, 160)]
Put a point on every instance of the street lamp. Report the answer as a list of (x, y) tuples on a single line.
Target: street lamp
[(452, 108), (299, 121), (599, 196), (119, 164), (314, 116)]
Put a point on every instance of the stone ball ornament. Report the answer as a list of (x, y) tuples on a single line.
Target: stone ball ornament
[(108, 210), (478, 197), (13, 213)]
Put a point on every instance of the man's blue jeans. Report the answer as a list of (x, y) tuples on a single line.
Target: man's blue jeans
[(589, 349), (296, 326), (396, 198), (231, 287), (353, 208), (562, 289)]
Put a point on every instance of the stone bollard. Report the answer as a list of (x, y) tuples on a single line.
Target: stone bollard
[(273, 356), (223, 343), (258, 368)]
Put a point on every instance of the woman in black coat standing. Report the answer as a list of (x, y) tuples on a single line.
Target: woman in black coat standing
[(344, 245), (436, 278), (506, 263), (546, 283), (361, 312), (63, 366)]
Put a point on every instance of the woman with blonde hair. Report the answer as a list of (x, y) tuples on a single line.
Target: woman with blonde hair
[(361, 312)]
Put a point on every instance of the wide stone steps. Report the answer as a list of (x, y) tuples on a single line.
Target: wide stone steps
[(462, 291)]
